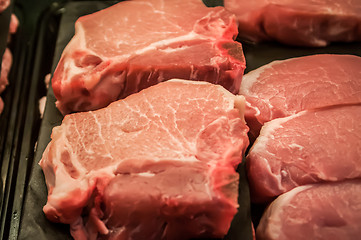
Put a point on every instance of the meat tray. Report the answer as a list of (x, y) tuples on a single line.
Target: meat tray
[(33, 222), (22, 216)]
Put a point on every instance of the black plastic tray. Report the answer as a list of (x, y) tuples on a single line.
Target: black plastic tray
[(10, 119), (19, 122), (40, 42)]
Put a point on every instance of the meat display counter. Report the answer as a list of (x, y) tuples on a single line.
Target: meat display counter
[(45, 29)]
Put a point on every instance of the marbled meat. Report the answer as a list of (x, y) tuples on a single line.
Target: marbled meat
[(319, 211), (121, 50), (286, 87), (308, 147), (159, 164)]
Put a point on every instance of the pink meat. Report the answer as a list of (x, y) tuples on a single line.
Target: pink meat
[(14, 24), (1, 105), (7, 58), (309, 147), (166, 39), (4, 5), (329, 211), (283, 88), (156, 165), (303, 23), (5, 69)]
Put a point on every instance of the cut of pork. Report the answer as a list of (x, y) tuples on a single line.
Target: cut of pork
[(283, 88), (120, 50), (309, 147), (318, 211), (156, 165), (303, 23)]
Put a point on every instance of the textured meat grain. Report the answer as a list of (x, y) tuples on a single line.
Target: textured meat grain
[(309, 147), (167, 39), (318, 211), (175, 153), (283, 88)]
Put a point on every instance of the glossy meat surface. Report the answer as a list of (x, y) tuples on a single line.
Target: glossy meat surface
[(286, 87), (309, 147), (172, 157), (320, 211), (120, 50)]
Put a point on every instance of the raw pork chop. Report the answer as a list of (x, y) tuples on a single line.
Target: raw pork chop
[(319, 211), (156, 165), (283, 88), (309, 147), (303, 23), (121, 50)]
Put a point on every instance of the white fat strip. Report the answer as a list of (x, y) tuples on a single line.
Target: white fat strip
[(70, 67), (216, 60), (267, 132), (194, 73), (207, 187), (79, 30), (64, 183), (79, 44), (145, 174), (188, 81), (275, 211), (100, 135), (190, 36), (250, 78), (240, 103), (295, 145), (249, 105)]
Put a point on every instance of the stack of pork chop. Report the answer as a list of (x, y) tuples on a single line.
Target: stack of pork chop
[(166, 39), (307, 110), (160, 163)]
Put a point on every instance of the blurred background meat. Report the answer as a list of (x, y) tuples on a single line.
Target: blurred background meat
[(5, 68), (4, 4), (299, 23), (7, 56)]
